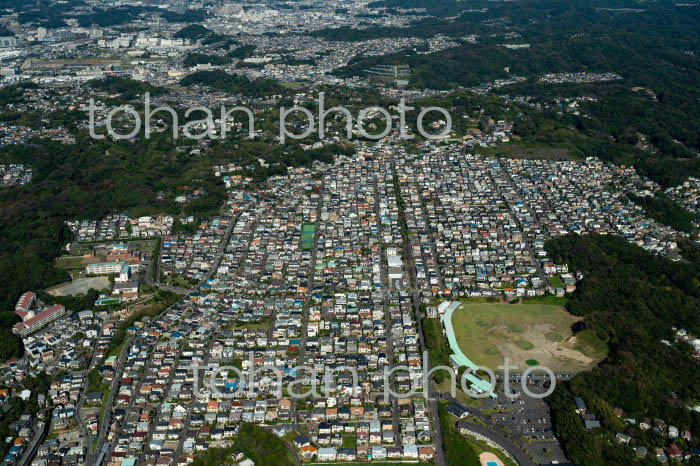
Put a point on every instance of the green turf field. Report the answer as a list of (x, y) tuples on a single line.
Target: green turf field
[(542, 332), (308, 233)]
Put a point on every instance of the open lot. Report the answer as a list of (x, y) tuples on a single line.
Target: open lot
[(79, 286), (144, 245), (293, 84), (75, 262), (63, 62), (528, 334)]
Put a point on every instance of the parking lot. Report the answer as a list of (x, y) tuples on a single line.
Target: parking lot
[(525, 419)]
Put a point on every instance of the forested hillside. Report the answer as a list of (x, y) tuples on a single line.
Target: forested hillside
[(631, 299), (86, 180), (650, 118)]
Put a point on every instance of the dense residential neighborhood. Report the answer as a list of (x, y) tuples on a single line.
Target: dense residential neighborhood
[(509, 279), (312, 273)]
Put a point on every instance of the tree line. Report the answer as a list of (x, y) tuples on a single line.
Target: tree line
[(631, 299)]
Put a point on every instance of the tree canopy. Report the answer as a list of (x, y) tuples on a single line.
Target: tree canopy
[(630, 299)]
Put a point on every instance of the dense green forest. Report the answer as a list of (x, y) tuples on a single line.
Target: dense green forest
[(14, 93), (112, 16), (637, 58), (608, 126), (609, 130), (51, 14), (244, 51), (44, 13), (442, 8), (193, 32), (630, 299), (197, 32), (194, 58), (217, 41), (436, 343), (186, 17), (278, 157), (666, 211), (654, 50), (534, 19), (127, 88), (235, 84), (241, 52)]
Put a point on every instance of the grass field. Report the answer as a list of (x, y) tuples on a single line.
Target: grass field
[(293, 84), (144, 245), (74, 262), (524, 333), (556, 282), (480, 447), (182, 282)]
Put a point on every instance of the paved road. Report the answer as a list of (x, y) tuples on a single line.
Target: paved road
[(81, 400), (105, 419), (293, 451), (174, 289), (510, 447), (384, 273), (93, 363), (210, 273), (104, 422), (79, 417), (219, 254), (431, 237), (432, 393), (110, 447), (537, 222), (510, 444), (158, 406), (418, 316), (117, 377), (34, 444), (307, 304)]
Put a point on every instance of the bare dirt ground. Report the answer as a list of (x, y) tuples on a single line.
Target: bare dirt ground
[(79, 286), (527, 334)]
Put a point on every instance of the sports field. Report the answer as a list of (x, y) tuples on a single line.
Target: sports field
[(308, 233), (80, 286), (528, 334)]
